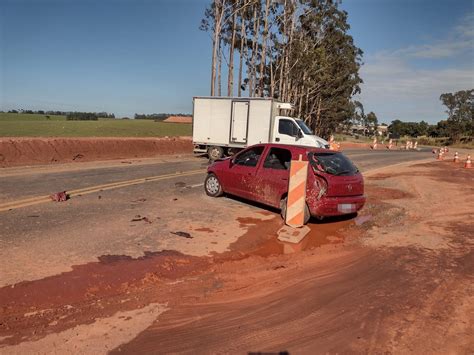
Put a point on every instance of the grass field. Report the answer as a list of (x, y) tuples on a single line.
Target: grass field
[(24, 125)]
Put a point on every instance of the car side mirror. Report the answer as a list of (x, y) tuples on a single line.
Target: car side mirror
[(300, 134)]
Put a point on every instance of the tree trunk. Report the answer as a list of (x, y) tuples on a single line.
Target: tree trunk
[(230, 76), (219, 69), (264, 48), (243, 39)]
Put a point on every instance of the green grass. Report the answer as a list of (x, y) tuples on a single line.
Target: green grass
[(19, 125)]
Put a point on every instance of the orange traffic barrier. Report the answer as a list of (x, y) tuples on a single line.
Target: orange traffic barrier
[(468, 164), (296, 203), (440, 155), (456, 158), (374, 144)]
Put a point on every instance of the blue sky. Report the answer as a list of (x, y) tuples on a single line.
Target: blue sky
[(127, 56)]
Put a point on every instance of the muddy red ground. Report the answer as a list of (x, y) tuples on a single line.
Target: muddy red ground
[(328, 294), (38, 151)]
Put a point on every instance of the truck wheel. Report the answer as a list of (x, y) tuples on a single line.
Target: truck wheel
[(213, 186), (215, 153), (283, 202)]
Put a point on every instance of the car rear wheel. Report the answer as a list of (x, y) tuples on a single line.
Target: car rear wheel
[(213, 186), (283, 202), (215, 153)]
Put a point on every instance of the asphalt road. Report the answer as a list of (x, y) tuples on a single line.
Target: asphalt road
[(39, 238)]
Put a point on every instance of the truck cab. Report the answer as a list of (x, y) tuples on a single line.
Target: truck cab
[(293, 131)]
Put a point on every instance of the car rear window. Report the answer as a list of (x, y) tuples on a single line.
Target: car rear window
[(332, 163)]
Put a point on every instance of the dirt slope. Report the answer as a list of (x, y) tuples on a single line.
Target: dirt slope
[(37, 151)]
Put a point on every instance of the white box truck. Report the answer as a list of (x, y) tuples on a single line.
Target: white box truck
[(224, 125)]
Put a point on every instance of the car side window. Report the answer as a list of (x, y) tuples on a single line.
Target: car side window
[(278, 158), (287, 127), (249, 157)]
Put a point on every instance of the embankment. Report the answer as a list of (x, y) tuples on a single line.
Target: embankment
[(38, 151)]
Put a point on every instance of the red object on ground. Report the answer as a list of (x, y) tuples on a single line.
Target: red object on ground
[(260, 173), (59, 196)]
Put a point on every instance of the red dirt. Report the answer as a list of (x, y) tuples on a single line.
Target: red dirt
[(38, 151), (179, 119), (341, 298)]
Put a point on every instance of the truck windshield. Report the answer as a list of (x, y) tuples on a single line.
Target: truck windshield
[(332, 163), (303, 127)]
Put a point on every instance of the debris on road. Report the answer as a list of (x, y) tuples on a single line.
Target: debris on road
[(180, 184), (182, 234), (59, 196), (126, 162), (78, 156), (139, 218), (362, 219), (139, 200)]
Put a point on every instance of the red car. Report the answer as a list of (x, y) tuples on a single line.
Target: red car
[(260, 173)]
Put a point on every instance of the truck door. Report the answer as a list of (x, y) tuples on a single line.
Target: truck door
[(239, 123), (286, 132)]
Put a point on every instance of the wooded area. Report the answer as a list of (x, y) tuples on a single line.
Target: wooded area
[(297, 51)]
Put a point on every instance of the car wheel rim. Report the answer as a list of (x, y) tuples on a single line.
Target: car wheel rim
[(212, 185)]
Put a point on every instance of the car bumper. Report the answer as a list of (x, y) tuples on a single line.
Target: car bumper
[(336, 206)]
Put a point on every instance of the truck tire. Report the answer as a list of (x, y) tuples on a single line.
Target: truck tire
[(283, 202), (213, 186), (215, 152)]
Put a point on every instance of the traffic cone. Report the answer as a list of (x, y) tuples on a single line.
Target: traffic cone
[(456, 158), (468, 164), (374, 145), (390, 144), (440, 155)]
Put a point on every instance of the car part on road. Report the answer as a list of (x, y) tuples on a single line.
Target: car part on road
[(182, 234), (59, 196), (212, 186)]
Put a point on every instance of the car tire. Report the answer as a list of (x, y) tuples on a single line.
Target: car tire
[(307, 214), (215, 153), (212, 186)]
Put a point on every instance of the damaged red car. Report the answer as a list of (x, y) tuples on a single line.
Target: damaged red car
[(260, 173)]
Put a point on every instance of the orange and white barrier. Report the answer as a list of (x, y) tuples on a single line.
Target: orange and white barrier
[(333, 145), (468, 164), (374, 144), (456, 158), (296, 202), (440, 155), (415, 146), (390, 144)]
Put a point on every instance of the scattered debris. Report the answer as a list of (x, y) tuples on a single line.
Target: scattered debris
[(126, 162), (78, 156), (180, 184), (59, 196), (99, 197), (33, 216), (175, 199), (362, 219), (182, 234), (279, 267), (139, 218), (140, 200)]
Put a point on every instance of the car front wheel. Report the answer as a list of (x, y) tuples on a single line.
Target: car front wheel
[(213, 186)]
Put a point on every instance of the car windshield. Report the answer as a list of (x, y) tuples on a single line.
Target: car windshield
[(304, 127), (332, 163)]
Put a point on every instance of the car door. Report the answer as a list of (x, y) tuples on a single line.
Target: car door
[(273, 175), (242, 172)]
